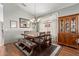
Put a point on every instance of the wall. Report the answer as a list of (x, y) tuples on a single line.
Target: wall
[(53, 24), (1, 22), (13, 12)]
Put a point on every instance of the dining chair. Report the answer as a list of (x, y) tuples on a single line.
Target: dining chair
[(48, 39), (41, 33)]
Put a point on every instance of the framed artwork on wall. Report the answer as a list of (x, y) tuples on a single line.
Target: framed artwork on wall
[(13, 24), (47, 23), (24, 23)]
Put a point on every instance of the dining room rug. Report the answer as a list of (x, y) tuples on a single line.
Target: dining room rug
[(53, 50)]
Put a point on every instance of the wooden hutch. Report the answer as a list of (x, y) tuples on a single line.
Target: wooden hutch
[(68, 30)]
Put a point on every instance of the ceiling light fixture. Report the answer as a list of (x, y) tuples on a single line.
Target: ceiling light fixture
[(38, 20), (32, 20)]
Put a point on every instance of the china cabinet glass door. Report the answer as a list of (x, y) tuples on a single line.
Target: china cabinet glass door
[(73, 24), (62, 25), (67, 24)]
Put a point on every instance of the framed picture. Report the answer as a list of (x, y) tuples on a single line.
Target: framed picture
[(47, 23), (24, 23), (13, 24)]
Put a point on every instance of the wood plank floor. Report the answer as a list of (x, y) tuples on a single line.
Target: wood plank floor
[(67, 51), (12, 50), (2, 50)]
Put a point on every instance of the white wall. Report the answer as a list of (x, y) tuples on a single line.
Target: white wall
[(1, 22), (53, 24), (14, 13)]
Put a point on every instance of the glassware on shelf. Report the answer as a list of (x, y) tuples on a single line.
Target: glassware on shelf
[(67, 25), (73, 25), (62, 25)]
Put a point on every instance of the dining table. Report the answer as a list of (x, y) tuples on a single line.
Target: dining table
[(36, 38), (32, 35)]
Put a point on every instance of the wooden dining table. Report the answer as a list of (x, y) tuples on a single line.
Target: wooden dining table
[(32, 35), (36, 38)]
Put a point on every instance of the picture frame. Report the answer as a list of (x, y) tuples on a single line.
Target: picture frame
[(47, 23), (24, 23), (13, 24)]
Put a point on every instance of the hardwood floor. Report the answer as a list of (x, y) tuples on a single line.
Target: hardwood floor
[(2, 50), (67, 51), (12, 50)]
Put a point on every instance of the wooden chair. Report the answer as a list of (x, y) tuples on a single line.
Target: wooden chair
[(41, 33), (48, 32), (25, 34), (48, 39)]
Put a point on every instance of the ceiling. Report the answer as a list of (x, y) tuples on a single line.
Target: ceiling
[(41, 9)]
